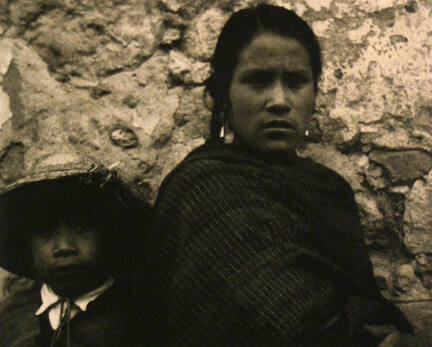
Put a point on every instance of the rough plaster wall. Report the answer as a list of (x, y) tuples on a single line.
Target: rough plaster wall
[(122, 80)]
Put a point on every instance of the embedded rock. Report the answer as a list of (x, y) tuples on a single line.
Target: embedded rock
[(403, 166), (124, 137), (154, 70), (183, 69), (11, 162), (418, 217), (201, 36), (171, 36)]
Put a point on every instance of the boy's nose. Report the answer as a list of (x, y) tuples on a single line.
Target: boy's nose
[(64, 244)]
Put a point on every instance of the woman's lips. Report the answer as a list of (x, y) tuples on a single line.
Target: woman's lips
[(279, 125)]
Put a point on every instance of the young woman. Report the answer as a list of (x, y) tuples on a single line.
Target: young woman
[(252, 245)]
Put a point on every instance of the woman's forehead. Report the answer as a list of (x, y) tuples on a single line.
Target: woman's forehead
[(269, 50)]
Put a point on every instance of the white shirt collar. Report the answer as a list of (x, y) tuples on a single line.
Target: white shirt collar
[(51, 302)]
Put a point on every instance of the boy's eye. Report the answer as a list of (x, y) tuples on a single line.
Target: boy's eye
[(43, 230), (84, 225), (82, 222), (82, 229)]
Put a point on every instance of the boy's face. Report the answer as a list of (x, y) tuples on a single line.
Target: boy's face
[(68, 255)]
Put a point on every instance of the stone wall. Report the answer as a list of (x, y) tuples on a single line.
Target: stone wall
[(122, 81)]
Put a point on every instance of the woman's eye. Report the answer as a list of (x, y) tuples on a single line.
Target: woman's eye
[(257, 79), (296, 82)]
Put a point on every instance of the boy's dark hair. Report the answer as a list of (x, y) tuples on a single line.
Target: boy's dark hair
[(237, 33)]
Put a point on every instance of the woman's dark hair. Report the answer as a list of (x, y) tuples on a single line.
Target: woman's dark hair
[(236, 34)]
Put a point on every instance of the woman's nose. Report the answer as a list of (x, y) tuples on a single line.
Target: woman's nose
[(277, 100), (64, 244)]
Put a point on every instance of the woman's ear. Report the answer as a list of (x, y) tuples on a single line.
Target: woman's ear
[(227, 123), (229, 136), (229, 132)]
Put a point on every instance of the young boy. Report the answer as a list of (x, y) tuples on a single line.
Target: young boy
[(75, 228)]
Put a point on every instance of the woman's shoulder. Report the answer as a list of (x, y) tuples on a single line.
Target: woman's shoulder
[(199, 166), (324, 174), (17, 315), (205, 158), (27, 296), (225, 165)]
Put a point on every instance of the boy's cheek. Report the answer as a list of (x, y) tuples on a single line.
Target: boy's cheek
[(40, 269), (41, 258)]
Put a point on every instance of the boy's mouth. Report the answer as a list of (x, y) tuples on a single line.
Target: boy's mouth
[(67, 269)]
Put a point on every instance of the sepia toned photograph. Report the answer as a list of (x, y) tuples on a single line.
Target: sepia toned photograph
[(215, 173)]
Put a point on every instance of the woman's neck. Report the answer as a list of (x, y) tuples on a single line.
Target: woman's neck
[(270, 156)]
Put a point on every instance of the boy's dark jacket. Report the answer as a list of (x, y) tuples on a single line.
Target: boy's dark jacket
[(107, 322)]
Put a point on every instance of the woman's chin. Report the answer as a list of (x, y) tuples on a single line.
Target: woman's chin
[(277, 145), (271, 144)]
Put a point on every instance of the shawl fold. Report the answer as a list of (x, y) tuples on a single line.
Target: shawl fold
[(251, 249)]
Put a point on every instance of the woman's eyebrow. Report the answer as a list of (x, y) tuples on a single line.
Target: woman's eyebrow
[(302, 74), (297, 74), (261, 70), (256, 72)]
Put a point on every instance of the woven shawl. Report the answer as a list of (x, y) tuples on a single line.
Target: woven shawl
[(250, 249)]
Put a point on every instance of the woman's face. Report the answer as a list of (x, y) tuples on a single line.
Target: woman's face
[(271, 94)]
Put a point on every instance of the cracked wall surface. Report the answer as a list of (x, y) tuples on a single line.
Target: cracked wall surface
[(123, 81)]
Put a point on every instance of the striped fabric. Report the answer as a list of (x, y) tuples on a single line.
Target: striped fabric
[(18, 323), (252, 249)]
